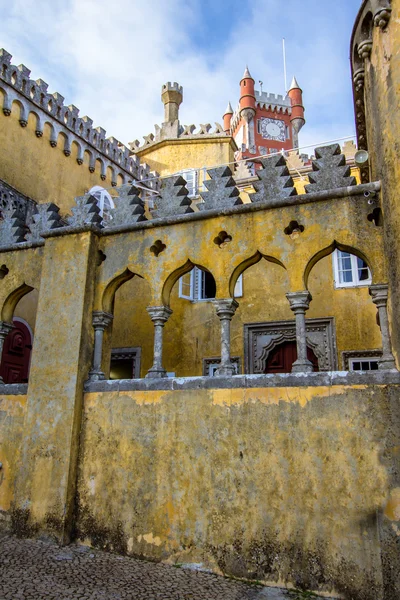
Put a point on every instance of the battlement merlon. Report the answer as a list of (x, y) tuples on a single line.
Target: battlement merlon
[(273, 99), (172, 87), (49, 108)]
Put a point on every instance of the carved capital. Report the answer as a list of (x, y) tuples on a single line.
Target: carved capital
[(225, 309), (299, 301), (159, 314), (382, 17), (101, 319), (379, 294)]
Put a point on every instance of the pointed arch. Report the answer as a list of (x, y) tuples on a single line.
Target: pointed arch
[(328, 250), (107, 301), (12, 300), (173, 278), (248, 262)]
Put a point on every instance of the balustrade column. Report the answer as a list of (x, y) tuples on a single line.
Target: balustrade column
[(225, 310), (159, 315), (100, 321), (379, 294), (5, 329), (299, 304)]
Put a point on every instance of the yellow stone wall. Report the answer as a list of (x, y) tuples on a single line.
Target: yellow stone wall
[(382, 106), (261, 483), (43, 173), (193, 332), (171, 156), (12, 413)]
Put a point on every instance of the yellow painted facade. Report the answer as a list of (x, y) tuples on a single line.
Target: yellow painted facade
[(288, 478)]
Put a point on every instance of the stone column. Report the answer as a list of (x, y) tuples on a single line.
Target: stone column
[(299, 303), (159, 315), (5, 329), (379, 294), (225, 310), (100, 322)]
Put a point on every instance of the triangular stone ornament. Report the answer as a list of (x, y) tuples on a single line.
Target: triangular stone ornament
[(222, 191), (173, 199), (329, 170), (86, 212), (274, 180), (45, 218), (12, 227), (129, 208)]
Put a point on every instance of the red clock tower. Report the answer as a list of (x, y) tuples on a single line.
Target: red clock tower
[(265, 123)]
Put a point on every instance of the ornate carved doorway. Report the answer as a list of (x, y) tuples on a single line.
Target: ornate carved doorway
[(261, 340), (17, 354), (282, 357)]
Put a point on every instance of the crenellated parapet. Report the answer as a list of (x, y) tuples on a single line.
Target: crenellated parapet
[(174, 130), (66, 126), (373, 15)]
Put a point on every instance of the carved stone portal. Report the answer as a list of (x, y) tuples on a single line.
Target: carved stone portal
[(261, 338)]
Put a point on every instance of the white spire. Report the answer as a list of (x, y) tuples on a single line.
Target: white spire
[(246, 73), (294, 85), (229, 109)]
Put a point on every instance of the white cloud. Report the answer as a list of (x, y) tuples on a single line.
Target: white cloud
[(110, 60)]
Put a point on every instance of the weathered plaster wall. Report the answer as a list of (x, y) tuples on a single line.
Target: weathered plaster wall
[(12, 413), (278, 484), (62, 352), (39, 171), (171, 156), (264, 287), (382, 104)]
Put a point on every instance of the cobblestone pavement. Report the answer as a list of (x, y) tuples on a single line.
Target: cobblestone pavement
[(35, 570)]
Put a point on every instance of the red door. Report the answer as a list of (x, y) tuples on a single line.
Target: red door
[(16, 354), (282, 357)]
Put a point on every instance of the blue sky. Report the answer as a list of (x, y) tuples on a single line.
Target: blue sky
[(110, 59)]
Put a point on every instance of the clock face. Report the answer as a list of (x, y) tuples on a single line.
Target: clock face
[(273, 129)]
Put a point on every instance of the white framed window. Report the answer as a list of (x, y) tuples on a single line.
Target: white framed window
[(191, 176), (363, 364), (186, 285), (199, 285), (104, 201), (350, 270)]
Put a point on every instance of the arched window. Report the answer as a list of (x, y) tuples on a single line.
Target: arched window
[(350, 270), (104, 201)]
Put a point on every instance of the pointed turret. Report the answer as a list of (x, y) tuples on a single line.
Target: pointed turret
[(247, 96), (246, 74), (227, 118), (294, 85), (297, 119)]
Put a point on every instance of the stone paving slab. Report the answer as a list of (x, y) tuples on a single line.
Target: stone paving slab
[(37, 570)]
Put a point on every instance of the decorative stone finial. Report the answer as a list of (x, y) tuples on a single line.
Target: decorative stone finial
[(129, 208), (173, 199), (45, 218), (222, 191), (329, 170), (12, 227), (274, 181)]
